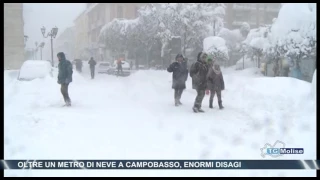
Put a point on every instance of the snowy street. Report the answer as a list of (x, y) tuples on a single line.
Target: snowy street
[(135, 118)]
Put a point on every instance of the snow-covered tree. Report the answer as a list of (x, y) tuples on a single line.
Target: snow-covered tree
[(294, 31), (233, 38), (244, 29), (258, 43), (113, 36), (161, 22)]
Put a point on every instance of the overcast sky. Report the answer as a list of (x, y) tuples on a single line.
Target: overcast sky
[(36, 15)]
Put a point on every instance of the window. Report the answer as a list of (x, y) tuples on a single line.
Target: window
[(120, 12)]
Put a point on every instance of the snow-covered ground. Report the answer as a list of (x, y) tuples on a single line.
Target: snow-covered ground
[(135, 118)]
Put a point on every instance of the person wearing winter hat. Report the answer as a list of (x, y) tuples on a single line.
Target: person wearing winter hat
[(198, 73), (179, 72), (215, 84)]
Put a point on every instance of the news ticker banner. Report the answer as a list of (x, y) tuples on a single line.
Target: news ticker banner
[(159, 164)]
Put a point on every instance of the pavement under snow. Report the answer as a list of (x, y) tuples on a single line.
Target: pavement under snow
[(135, 118)]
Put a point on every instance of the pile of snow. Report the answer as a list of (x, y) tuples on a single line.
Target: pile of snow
[(257, 107), (314, 85), (215, 45), (32, 69)]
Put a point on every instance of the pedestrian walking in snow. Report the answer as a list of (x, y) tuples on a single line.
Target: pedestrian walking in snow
[(131, 65), (179, 77), (198, 73), (64, 76), (119, 67), (93, 64), (215, 83), (79, 65)]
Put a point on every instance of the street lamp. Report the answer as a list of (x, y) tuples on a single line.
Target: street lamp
[(25, 40), (41, 46), (35, 50), (53, 33)]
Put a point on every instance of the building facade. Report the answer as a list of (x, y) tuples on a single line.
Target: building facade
[(100, 14), (256, 14), (81, 36), (13, 35), (65, 42)]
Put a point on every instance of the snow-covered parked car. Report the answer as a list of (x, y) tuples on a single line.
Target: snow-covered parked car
[(103, 67), (32, 69)]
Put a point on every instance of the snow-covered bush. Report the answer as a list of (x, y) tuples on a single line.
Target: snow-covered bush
[(244, 29), (216, 47)]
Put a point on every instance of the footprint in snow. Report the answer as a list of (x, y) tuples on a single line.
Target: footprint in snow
[(205, 154), (16, 150), (6, 141), (178, 137), (237, 141)]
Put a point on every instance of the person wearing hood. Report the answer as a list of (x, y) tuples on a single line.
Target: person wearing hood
[(215, 83), (64, 76), (92, 63), (179, 77), (198, 73)]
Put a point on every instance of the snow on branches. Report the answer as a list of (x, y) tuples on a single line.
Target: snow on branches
[(295, 29), (216, 47), (292, 34), (162, 21)]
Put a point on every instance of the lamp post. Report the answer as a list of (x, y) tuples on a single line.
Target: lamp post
[(41, 47), (25, 40), (53, 33), (35, 50), (214, 27)]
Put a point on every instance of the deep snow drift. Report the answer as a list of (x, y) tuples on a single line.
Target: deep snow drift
[(135, 118)]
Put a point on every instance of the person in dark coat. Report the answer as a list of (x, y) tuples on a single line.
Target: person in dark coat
[(64, 76), (131, 65), (198, 73), (215, 84), (92, 63), (79, 65), (179, 77), (119, 66)]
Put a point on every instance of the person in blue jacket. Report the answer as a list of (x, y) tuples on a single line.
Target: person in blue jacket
[(179, 72)]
